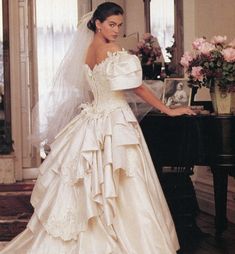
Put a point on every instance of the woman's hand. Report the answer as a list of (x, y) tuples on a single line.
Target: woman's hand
[(180, 111), (148, 96)]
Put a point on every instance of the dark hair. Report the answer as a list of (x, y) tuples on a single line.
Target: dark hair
[(172, 89), (102, 12)]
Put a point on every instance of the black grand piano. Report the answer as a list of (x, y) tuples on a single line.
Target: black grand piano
[(184, 141)]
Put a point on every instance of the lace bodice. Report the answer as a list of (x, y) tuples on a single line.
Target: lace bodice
[(104, 97), (108, 79)]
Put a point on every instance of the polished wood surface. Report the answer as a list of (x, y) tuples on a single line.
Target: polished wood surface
[(186, 141), (207, 243)]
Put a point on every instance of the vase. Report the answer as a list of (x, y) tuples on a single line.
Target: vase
[(233, 102), (222, 101)]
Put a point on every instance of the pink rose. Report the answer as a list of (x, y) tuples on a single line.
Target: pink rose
[(154, 44), (157, 51), (206, 48), (147, 36), (218, 39), (140, 44), (197, 73), (229, 54), (232, 43), (149, 62), (186, 59), (198, 42), (148, 45)]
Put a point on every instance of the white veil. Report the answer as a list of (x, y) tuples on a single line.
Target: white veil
[(68, 90)]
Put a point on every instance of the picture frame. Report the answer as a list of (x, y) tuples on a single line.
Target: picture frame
[(176, 92)]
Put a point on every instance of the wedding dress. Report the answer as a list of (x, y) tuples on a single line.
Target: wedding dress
[(97, 191)]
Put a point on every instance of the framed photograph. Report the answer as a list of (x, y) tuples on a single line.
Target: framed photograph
[(176, 92)]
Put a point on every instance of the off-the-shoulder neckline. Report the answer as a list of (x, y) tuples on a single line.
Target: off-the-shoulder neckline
[(109, 55)]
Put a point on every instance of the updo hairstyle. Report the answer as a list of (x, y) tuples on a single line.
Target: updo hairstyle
[(102, 12)]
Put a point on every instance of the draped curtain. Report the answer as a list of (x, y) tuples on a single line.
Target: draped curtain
[(56, 24), (162, 23)]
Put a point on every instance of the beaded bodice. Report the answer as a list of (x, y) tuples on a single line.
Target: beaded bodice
[(104, 97)]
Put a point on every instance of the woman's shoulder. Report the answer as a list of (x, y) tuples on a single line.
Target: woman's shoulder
[(104, 50)]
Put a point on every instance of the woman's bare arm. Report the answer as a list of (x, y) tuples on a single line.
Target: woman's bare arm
[(147, 95)]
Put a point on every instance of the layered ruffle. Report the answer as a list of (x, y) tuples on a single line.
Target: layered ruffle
[(80, 178), (97, 192)]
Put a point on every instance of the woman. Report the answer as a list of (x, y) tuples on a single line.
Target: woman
[(179, 96), (97, 192)]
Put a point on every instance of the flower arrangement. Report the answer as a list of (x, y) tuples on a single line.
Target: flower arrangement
[(211, 62), (150, 56), (147, 50)]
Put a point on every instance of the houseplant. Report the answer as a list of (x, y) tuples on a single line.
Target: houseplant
[(150, 55), (212, 64)]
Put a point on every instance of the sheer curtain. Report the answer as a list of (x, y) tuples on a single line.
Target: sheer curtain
[(56, 24), (162, 23)]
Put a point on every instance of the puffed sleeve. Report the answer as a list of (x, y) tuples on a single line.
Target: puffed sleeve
[(123, 71)]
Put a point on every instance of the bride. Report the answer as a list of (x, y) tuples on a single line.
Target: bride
[(97, 191)]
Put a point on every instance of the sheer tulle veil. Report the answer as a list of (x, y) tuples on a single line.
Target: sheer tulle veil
[(67, 92)]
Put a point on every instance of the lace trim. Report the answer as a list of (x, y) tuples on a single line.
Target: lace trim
[(65, 226)]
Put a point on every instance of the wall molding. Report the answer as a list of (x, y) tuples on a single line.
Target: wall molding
[(14, 33), (7, 169)]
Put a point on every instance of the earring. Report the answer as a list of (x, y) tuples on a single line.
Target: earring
[(99, 30)]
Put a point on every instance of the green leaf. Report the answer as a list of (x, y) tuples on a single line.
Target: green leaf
[(212, 65)]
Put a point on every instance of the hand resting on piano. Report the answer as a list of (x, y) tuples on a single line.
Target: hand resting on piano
[(147, 95)]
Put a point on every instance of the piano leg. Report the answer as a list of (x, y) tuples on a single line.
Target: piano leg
[(220, 179)]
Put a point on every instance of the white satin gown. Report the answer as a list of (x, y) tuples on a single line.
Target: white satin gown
[(97, 191)]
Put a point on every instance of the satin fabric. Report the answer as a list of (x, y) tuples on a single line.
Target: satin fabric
[(97, 191)]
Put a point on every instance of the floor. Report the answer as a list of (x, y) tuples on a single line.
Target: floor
[(205, 243), (2, 244)]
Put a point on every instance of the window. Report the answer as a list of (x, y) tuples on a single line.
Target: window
[(162, 23), (56, 24)]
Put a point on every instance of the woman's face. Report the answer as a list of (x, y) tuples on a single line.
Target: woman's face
[(180, 86), (110, 28)]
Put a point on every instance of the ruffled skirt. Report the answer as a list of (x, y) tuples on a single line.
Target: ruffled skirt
[(98, 193)]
